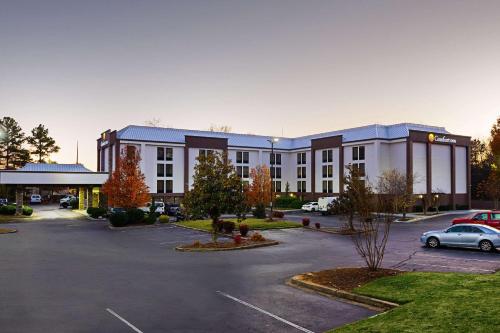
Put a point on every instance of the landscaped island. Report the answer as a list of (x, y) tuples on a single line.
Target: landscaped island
[(252, 223)]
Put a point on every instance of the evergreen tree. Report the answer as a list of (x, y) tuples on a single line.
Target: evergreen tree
[(12, 153), (43, 144)]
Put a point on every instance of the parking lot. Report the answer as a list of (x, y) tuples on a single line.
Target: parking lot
[(64, 273)]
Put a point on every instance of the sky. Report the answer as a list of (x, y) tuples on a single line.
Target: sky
[(278, 68)]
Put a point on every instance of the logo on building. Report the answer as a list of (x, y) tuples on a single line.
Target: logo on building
[(441, 139)]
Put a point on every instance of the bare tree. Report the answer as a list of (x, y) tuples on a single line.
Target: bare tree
[(154, 122), (399, 188), (220, 128), (372, 239)]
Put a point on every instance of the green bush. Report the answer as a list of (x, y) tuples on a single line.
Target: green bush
[(74, 203), (96, 212), (118, 219), (288, 202), (135, 215), (164, 219), (27, 211), (8, 210), (150, 218), (259, 211), (228, 226)]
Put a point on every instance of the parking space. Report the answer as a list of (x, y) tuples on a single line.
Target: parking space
[(72, 274)]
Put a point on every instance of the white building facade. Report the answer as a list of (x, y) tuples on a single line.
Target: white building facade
[(309, 166)]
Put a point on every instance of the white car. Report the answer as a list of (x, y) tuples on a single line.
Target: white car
[(310, 207), (36, 199), (66, 201), (160, 207)]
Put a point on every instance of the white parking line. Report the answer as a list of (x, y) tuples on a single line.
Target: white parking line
[(265, 312), (123, 320)]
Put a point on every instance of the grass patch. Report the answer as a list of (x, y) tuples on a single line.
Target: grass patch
[(253, 224), (433, 302)]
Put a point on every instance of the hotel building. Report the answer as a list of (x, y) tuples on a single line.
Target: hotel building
[(311, 165)]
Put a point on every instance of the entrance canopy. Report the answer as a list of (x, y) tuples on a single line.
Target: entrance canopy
[(53, 174)]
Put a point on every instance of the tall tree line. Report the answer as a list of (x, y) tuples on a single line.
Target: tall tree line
[(17, 149)]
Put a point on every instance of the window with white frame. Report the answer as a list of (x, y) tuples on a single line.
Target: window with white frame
[(301, 172), (242, 167), (327, 171), (275, 172), (276, 185), (301, 158), (275, 159), (301, 186), (327, 156), (205, 152), (358, 159), (327, 186), (164, 170), (242, 157), (242, 171)]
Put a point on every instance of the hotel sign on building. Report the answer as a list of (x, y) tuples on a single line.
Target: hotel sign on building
[(312, 166)]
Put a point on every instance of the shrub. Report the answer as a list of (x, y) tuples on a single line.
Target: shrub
[(244, 229), (256, 237), (150, 218), (164, 219), (135, 215), (118, 220), (74, 203), (259, 211), (237, 239), (306, 221), (288, 202), (228, 226), (96, 212), (278, 214), (220, 225), (27, 211), (317, 225), (8, 210)]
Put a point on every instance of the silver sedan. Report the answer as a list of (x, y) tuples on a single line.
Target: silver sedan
[(484, 237)]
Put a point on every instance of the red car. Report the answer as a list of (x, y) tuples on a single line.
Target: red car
[(491, 218)]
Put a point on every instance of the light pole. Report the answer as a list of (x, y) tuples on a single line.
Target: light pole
[(272, 159)]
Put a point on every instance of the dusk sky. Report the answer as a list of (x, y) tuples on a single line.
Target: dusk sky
[(262, 67)]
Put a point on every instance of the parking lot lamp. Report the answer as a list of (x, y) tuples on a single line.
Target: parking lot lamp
[(272, 159)]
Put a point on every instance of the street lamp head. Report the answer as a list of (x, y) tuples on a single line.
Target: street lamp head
[(276, 139)]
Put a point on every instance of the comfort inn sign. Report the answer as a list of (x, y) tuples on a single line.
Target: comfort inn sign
[(440, 138)]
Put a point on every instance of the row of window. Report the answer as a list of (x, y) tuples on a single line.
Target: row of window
[(164, 154), (164, 186), (164, 170)]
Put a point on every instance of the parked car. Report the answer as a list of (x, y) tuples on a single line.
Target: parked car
[(324, 204), (160, 207), (65, 202), (3, 202), (35, 199), (310, 207), (483, 237), (173, 209), (490, 218)]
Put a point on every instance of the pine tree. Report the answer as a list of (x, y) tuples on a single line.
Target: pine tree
[(43, 144), (12, 153)]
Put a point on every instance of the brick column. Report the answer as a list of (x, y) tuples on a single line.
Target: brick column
[(19, 199)]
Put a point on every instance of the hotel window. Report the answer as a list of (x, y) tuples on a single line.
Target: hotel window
[(327, 156), (160, 170), (163, 154), (276, 186), (327, 171), (275, 172), (205, 152), (169, 186), (360, 167), (358, 153), (301, 158), (160, 186), (301, 186), (301, 172), (242, 157), (327, 186), (131, 150), (242, 171), (275, 159), (169, 170)]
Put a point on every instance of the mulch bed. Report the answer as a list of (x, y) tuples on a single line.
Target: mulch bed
[(226, 245), (348, 278)]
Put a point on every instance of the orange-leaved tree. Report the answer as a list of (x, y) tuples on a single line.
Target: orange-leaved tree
[(259, 191), (126, 188)]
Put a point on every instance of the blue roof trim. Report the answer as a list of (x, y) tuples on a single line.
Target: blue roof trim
[(370, 132)]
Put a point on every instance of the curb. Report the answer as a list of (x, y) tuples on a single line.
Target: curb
[(161, 225), (245, 247), (202, 230), (299, 281), (9, 231)]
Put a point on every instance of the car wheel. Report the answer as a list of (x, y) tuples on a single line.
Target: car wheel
[(65, 205), (486, 246), (432, 242)]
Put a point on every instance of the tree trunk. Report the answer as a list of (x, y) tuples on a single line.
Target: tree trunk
[(215, 229)]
